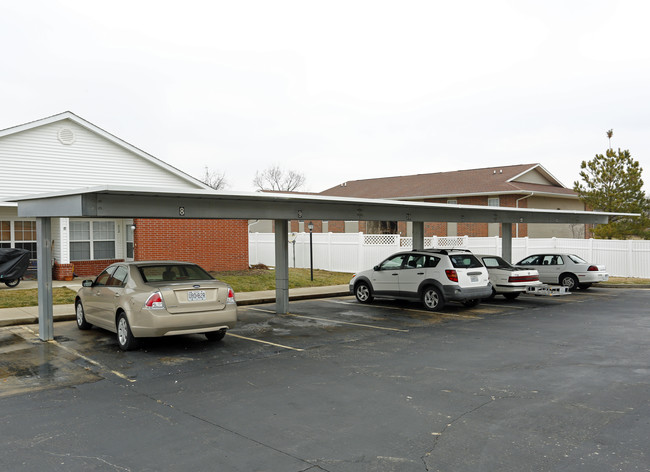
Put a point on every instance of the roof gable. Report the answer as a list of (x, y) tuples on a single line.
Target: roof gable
[(65, 151)]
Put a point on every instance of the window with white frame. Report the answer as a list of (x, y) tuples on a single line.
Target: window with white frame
[(5, 234), (493, 202), (19, 234), (92, 240)]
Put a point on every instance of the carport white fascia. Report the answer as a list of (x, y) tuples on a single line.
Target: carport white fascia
[(113, 201)]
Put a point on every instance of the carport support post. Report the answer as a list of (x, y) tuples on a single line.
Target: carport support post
[(282, 267), (44, 274), (506, 241), (418, 235)]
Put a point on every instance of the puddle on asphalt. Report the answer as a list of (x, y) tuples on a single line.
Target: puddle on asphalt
[(28, 366)]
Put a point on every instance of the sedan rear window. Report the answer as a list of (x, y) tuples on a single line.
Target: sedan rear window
[(576, 259), (465, 261), (496, 263), (172, 273)]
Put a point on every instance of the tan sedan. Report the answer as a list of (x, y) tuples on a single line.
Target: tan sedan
[(158, 298)]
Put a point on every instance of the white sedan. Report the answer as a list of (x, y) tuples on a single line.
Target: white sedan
[(568, 270), (506, 279)]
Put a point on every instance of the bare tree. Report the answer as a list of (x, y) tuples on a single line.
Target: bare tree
[(274, 178), (214, 179)]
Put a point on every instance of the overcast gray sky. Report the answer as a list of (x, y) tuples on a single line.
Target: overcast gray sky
[(338, 90)]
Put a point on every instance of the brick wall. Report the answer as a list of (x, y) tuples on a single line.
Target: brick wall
[(91, 268), (213, 244)]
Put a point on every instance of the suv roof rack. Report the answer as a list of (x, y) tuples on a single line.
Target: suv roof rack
[(442, 251)]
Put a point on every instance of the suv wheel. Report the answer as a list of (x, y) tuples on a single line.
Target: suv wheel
[(432, 299), (363, 293)]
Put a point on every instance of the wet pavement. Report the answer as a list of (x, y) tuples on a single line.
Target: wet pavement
[(541, 383)]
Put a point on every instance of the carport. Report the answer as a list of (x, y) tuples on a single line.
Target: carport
[(135, 202)]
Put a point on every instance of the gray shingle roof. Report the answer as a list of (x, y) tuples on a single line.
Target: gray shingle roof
[(489, 180)]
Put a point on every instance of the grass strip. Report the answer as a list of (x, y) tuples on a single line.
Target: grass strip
[(254, 280), (29, 297)]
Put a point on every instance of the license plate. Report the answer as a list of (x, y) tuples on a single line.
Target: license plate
[(196, 296), (473, 278)]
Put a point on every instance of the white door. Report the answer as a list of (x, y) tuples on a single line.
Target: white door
[(128, 243)]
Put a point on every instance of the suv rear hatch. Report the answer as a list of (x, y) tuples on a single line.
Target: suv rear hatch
[(470, 271)]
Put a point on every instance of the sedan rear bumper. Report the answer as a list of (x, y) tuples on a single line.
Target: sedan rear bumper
[(592, 277), (151, 323)]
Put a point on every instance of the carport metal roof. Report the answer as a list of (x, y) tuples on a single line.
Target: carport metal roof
[(114, 201)]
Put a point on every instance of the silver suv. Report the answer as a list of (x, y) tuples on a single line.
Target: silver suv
[(434, 276)]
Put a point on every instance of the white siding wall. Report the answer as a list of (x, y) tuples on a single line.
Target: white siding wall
[(35, 161)]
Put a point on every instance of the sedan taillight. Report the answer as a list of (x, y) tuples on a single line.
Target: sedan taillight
[(592, 269), (452, 275), (231, 296), (523, 278), (155, 301)]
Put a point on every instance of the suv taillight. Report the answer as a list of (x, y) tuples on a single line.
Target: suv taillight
[(452, 275), (231, 296), (592, 269), (155, 301)]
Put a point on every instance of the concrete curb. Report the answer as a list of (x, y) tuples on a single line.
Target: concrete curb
[(602, 285), (29, 314)]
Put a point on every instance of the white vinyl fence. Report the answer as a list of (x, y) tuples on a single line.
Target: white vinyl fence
[(353, 252)]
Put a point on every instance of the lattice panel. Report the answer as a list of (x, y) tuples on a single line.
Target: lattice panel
[(380, 239), (451, 242)]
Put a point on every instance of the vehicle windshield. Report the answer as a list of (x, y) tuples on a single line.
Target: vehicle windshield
[(173, 273), (576, 259), (465, 261)]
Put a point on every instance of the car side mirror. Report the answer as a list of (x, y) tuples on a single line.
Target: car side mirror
[(375, 268), (87, 283)]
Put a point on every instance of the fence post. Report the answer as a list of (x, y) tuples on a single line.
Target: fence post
[(329, 250), (630, 259), (361, 256)]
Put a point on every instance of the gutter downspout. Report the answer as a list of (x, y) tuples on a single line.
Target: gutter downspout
[(251, 224), (517, 206)]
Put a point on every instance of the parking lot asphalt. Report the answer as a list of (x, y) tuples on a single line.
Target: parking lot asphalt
[(541, 383)]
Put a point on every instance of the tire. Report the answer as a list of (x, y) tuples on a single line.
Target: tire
[(584, 286), (363, 293), (81, 317), (511, 295), (12, 283), (569, 281), (432, 299), (215, 335), (125, 337), (471, 303)]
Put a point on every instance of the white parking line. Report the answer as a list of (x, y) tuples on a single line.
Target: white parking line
[(261, 309), (441, 313), (264, 342), (85, 358), (507, 306), (334, 321), (348, 323)]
